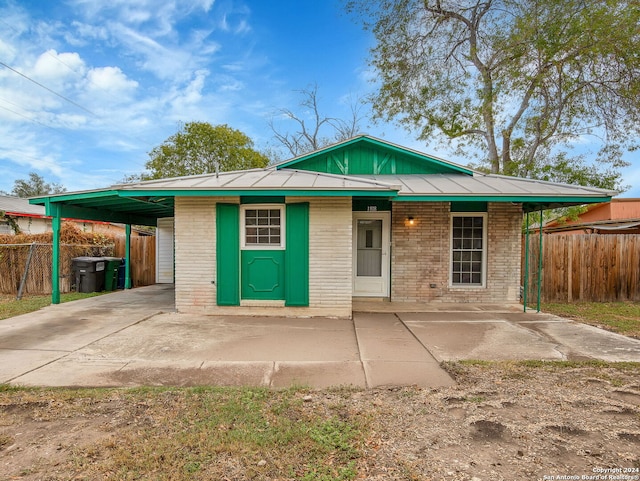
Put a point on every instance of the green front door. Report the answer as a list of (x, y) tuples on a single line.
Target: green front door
[(262, 274), (263, 251)]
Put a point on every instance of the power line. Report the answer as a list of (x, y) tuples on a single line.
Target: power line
[(24, 116), (48, 89), (27, 118)]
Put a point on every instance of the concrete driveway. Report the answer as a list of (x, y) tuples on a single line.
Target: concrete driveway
[(133, 337)]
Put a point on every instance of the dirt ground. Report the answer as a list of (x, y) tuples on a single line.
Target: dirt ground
[(501, 421)]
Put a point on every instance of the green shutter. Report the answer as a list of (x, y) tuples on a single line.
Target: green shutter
[(228, 254), (297, 255)]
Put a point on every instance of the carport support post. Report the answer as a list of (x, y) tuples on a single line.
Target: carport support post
[(127, 259), (540, 264), (56, 222), (526, 263)]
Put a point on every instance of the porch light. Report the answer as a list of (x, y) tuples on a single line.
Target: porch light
[(411, 220)]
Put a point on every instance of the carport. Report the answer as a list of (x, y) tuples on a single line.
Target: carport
[(110, 205)]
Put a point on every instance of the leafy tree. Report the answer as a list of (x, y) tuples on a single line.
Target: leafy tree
[(35, 186), (520, 79), (202, 148), (314, 130)]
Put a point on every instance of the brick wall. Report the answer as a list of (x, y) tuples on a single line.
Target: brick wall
[(195, 253), (421, 254), (330, 264), (330, 250)]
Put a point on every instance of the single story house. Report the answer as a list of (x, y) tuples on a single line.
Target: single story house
[(360, 218), (30, 219), (618, 216)]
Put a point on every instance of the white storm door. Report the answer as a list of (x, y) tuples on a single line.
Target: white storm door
[(371, 254)]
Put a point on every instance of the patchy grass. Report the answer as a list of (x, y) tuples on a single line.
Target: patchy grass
[(540, 364), (506, 417), (10, 306), (620, 317), (525, 370), (203, 433)]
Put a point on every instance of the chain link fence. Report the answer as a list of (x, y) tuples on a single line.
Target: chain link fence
[(26, 268)]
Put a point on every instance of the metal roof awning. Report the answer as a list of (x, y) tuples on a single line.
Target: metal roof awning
[(108, 206), (533, 194), (144, 202)]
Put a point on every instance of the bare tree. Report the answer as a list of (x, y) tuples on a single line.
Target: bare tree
[(314, 130)]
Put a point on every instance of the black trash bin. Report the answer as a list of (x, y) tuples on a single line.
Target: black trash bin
[(88, 273)]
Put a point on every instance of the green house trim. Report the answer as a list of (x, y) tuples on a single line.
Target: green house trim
[(383, 192), (365, 155)]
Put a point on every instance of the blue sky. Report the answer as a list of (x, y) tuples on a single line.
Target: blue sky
[(131, 70)]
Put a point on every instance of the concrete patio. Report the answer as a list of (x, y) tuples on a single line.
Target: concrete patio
[(134, 337)]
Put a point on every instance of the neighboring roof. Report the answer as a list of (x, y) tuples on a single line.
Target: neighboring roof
[(630, 225), (619, 214), (18, 206), (617, 226)]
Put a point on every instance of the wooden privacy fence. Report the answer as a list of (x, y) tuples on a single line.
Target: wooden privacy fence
[(584, 267), (143, 259), (29, 265)]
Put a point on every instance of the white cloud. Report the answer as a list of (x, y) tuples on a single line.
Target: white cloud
[(186, 103), (242, 27), (160, 17), (57, 68), (7, 51), (23, 148), (71, 121), (83, 33), (111, 80), (137, 69), (167, 63)]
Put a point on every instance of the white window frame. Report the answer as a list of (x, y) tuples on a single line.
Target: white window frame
[(485, 226), (262, 247)]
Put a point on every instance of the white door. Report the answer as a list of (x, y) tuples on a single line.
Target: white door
[(371, 254), (164, 251)]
